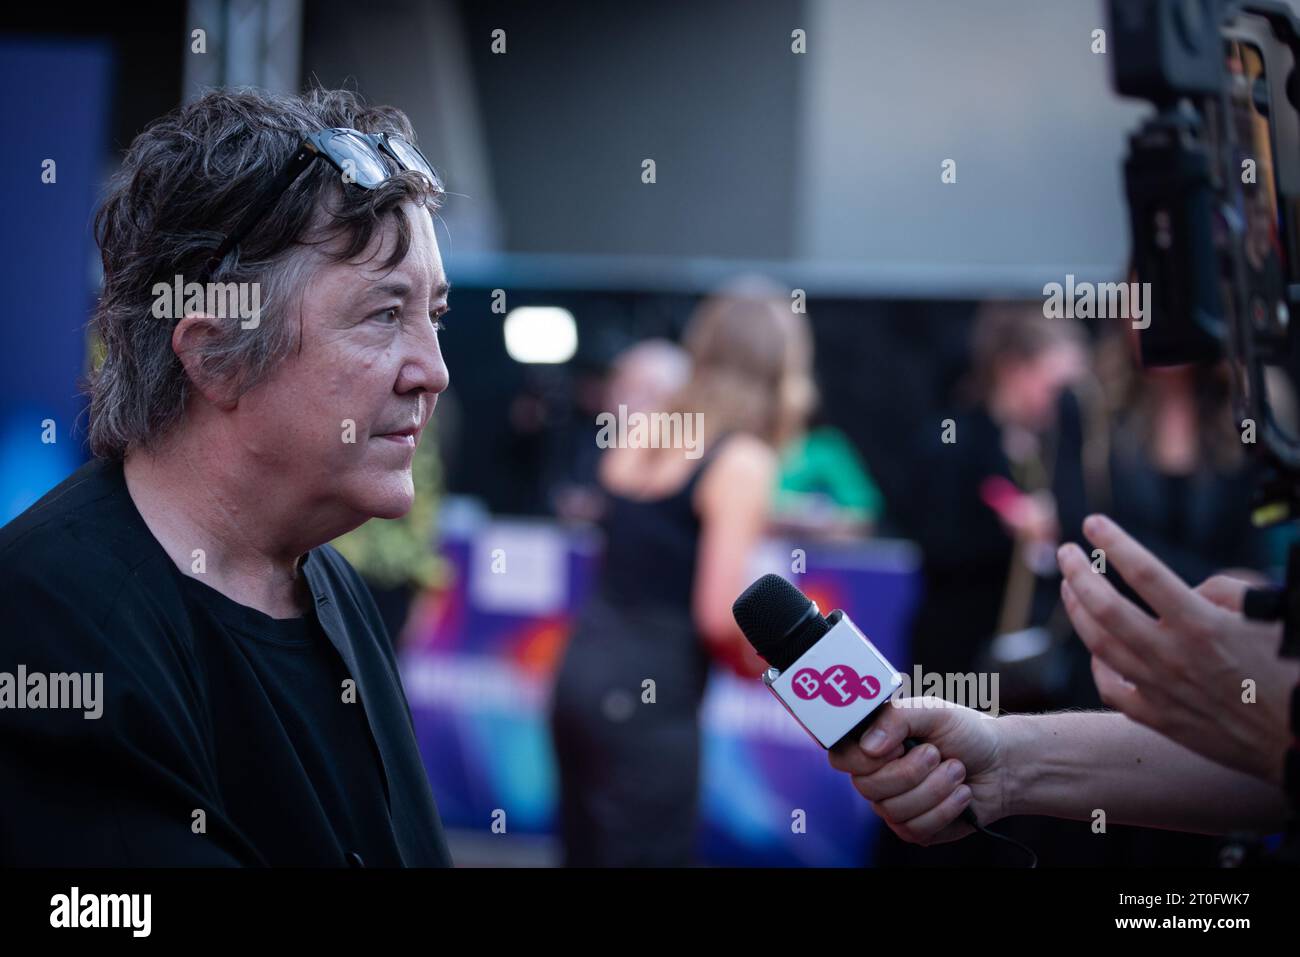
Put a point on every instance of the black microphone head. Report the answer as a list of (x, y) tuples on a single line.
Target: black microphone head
[(780, 621)]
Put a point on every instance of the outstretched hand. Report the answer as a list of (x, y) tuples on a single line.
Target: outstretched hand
[(1200, 672)]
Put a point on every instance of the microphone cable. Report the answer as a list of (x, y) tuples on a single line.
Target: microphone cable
[(1029, 851)]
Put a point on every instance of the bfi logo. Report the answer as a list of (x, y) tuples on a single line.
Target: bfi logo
[(838, 685)]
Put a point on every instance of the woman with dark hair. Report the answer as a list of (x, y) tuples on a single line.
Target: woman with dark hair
[(996, 482), (679, 533)]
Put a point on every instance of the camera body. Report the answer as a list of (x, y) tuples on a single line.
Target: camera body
[(1213, 187)]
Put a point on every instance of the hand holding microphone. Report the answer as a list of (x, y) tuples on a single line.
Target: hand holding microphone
[(825, 672), (838, 685), (934, 771), (923, 793)]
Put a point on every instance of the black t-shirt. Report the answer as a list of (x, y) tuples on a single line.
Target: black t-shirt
[(315, 713), (218, 735)]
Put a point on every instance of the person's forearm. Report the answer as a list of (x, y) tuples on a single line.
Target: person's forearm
[(1073, 764)]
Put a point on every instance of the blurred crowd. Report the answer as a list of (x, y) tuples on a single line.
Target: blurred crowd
[(1052, 420)]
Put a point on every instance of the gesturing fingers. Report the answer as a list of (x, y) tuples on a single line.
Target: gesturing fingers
[(1166, 594), (1113, 622), (1121, 694), (1100, 642)]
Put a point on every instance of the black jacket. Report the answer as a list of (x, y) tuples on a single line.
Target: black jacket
[(186, 725)]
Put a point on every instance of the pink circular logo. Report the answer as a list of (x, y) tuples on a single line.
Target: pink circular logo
[(838, 685)]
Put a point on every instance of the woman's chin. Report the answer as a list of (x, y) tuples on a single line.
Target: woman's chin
[(389, 497)]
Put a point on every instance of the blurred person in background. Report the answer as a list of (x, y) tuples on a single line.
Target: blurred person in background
[(995, 484), (649, 374), (644, 377), (1180, 481), (824, 490), (1003, 483), (679, 534)]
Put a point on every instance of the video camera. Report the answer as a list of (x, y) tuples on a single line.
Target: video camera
[(1213, 186)]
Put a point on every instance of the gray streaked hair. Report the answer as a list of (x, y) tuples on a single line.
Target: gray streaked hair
[(184, 183)]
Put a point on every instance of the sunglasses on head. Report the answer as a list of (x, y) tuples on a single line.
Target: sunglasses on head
[(359, 158)]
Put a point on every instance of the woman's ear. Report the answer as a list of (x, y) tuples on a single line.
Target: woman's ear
[(192, 341)]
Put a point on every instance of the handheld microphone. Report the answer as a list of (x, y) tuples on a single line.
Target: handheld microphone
[(825, 672)]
